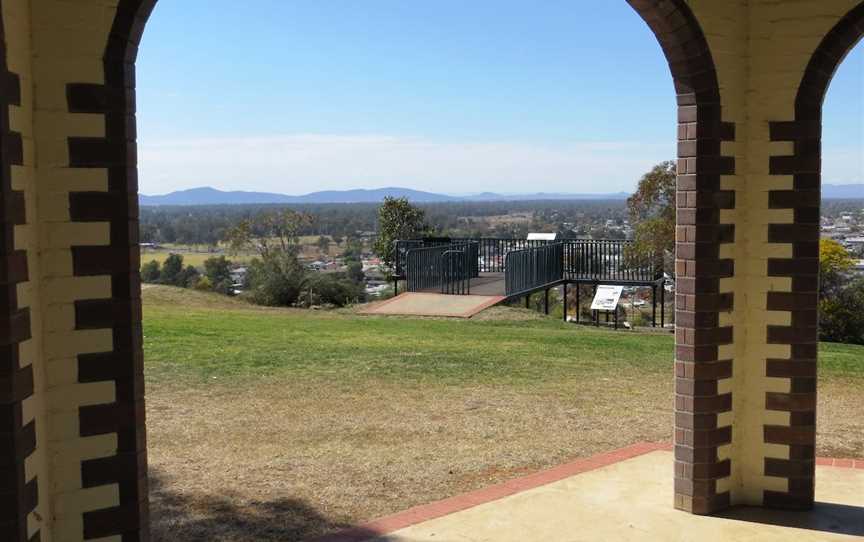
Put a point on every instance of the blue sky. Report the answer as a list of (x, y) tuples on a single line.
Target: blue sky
[(448, 96)]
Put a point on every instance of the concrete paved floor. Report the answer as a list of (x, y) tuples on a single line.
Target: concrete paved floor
[(632, 500), (488, 284)]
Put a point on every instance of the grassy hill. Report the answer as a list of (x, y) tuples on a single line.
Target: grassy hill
[(200, 334), (274, 424)]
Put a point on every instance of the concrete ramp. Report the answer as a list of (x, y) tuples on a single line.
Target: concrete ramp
[(429, 304)]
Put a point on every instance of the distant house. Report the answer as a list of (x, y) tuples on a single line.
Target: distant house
[(855, 243), (238, 275)]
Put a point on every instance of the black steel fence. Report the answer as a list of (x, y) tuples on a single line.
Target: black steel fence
[(609, 260), (584, 260), (493, 252), (532, 268), (459, 264), (445, 267)]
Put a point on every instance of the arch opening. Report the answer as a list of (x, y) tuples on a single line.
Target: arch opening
[(700, 132)]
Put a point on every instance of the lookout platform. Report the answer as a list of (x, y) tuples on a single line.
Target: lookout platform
[(508, 269)]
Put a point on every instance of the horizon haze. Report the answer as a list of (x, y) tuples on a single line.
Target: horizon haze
[(504, 97)]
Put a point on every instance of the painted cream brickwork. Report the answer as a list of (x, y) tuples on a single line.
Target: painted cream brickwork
[(68, 40)]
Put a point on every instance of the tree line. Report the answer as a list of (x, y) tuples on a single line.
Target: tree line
[(209, 225), (275, 276)]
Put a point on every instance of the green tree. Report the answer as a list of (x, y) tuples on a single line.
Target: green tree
[(276, 277), (218, 273), (353, 250), (269, 233), (187, 278), (397, 219), (835, 262), (355, 271), (652, 214), (171, 270), (150, 271), (323, 244), (841, 315), (841, 299)]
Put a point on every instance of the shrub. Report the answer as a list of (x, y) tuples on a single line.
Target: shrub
[(187, 278), (218, 272), (841, 316), (355, 272), (171, 270), (150, 271), (203, 284), (275, 281), (331, 289)]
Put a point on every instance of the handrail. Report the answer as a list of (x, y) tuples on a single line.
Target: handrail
[(427, 268), (456, 265), (583, 260), (532, 268)]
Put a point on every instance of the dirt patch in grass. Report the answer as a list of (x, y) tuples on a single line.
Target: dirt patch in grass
[(840, 418)]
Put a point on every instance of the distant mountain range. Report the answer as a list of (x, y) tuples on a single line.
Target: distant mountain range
[(212, 196), (843, 191)]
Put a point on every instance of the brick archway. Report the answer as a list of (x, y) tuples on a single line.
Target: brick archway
[(699, 265)]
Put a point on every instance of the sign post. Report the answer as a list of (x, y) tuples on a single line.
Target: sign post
[(606, 299)]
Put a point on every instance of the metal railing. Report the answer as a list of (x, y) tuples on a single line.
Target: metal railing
[(599, 260), (400, 255), (448, 267), (583, 260), (457, 270), (532, 268), (493, 252)]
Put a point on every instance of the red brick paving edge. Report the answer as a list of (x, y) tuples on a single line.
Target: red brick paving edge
[(425, 512)]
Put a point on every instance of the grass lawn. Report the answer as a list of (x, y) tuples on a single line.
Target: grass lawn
[(196, 259), (279, 424), (196, 255)]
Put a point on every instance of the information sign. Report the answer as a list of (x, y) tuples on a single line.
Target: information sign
[(606, 298)]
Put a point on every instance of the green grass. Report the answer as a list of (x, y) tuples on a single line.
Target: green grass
[(196, 259), (841, 359), (186, 336)]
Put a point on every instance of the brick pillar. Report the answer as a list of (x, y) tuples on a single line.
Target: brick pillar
[(700, 403), (800, 302), (19, 494)]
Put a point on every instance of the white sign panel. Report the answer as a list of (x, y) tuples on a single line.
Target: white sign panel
[(542, 236), (606, 298)]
